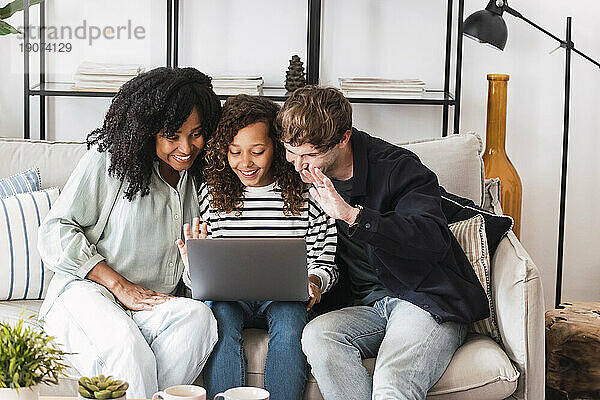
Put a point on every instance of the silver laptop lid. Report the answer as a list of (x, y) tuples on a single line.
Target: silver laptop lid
[(248, 269)]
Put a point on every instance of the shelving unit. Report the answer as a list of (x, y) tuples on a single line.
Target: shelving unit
[(45, 89), (443, 97)]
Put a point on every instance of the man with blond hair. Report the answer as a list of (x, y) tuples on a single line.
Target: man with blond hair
[(411, 290)]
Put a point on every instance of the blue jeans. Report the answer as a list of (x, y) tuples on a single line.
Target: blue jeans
[(411, 348), (285, 369)]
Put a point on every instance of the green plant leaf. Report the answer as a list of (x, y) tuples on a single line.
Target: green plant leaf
[(27, 357), (7, 29), (15, 6)]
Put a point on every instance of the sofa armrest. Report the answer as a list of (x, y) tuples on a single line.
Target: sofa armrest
[(519, 302)]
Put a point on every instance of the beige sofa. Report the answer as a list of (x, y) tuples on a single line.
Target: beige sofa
[(481, 369)]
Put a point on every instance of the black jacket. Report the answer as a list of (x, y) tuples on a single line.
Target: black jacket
[(408, 243)]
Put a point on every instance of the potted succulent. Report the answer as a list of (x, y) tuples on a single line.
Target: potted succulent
[(102, 387), (28, 358)]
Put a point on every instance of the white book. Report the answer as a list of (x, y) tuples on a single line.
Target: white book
[(234, 91), (381, 84), (383, 95), (387, 90), (380, 81), (94, 68), (103, 78)]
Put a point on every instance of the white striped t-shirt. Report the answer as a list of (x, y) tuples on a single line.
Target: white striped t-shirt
[(262, 217)]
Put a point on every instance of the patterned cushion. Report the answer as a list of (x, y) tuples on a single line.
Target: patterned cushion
[(457, 208), (471, 236), (22, 273), (28, 181)]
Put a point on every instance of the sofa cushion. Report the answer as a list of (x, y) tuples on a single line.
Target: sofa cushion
[(11, 311), (457, 162), (23, 182), (22, 272), (479, 369), (56, 160), (471, 236), (457, 208), (491, 196), (455, 159)]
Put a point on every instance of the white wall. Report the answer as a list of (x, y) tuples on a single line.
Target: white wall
[(396, 38)]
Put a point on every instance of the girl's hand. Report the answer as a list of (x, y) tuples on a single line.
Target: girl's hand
[(328, 198), (197, 231), (314, 291)]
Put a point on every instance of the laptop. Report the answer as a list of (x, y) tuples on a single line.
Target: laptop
[(248, 269)]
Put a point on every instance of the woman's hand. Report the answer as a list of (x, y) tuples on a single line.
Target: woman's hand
[(132, 296), (197, 231), (138, 298), (328, 198), (314, 291)]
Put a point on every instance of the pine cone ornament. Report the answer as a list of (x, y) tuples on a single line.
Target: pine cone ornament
[(294, 77)]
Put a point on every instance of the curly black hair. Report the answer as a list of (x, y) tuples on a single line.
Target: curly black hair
[(156, 102), (225, 187)]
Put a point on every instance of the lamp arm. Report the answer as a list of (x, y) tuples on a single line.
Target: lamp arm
[(562, 42)]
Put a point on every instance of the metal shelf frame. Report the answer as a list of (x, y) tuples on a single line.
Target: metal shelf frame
[(444, 98)]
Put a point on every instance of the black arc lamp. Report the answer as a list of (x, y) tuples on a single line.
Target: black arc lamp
[(488, 27)]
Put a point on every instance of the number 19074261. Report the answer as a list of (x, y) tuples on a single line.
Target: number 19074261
[(49, 47)]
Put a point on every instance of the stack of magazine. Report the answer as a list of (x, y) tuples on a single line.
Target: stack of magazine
[(232, 85), (104, 77), (382, 87)]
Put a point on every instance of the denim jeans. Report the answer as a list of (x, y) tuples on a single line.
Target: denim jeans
[(151, 350), (411, 348), (285, 368)]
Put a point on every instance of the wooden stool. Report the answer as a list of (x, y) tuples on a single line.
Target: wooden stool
[(573, 352)]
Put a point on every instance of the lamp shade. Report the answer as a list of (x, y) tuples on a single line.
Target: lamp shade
[(487, 27)]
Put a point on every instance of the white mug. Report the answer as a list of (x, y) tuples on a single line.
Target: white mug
[(181, 392), (244, 393)]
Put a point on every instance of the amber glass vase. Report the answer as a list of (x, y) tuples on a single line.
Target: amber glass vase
[(495, 159)]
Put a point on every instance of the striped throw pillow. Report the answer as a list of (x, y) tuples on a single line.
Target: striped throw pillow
[(471, 236), (28, 181), (22, 272)]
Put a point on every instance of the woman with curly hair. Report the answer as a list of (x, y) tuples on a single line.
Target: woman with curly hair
[(112, 302), (250, 190)]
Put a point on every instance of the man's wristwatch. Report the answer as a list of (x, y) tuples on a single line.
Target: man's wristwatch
[(360, 208)]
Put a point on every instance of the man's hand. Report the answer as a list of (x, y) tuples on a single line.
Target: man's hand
[(314, 291), (196, 232), (328, 198)]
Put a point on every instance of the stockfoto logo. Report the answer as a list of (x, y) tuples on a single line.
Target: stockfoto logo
[(87, 32)]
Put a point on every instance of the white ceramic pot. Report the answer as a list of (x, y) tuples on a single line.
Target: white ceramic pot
[(30, 393)]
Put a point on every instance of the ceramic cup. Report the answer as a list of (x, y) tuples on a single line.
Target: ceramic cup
[(243, 393), (181, 392)]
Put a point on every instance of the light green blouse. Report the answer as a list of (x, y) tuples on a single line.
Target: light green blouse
[(136, 239)]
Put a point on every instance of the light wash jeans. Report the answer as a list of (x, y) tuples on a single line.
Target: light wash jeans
[(412, 350), (285, 368), (151, 350)]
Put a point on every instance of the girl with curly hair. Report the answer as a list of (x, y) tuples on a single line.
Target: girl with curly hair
[(250, 190), (112, 302)]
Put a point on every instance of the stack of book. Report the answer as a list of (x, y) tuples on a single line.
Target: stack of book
[(381, 87), (104, 77), (232, 85)]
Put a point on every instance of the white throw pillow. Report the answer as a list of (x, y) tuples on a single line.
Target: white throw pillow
[(22, 272)]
